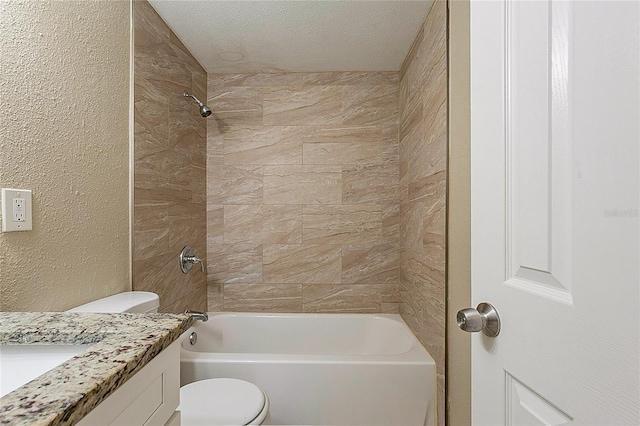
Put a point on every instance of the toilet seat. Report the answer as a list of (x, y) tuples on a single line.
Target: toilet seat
[(222, 401)]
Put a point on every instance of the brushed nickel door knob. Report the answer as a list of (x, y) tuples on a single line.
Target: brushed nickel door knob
[(484, 318)]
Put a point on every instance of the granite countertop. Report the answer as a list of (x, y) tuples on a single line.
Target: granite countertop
[(121, 344)]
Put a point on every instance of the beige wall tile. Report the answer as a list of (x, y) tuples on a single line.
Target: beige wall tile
[(434, 228), (151, 109), (338, 134), (432, 186), (350, 78), (260, 224), (178, 174), (187, 226), (193, 301), (187, 136), (215, 224), (151, 230), (303, 184), (198, 185), (235, 105), (420, 268), (301, 263), (343, 153), (215, 297), (234, 263), (161, 193), (433, 333), (319, 165), (412, 306), (170, 160), (414, 153), (263, 145), (370, 104), (370, 264), (391, 292), (411, 116), (151, 170), (160, 64), (215, 143), (263, 297), (370, 184), (336, 298), (412, 225), (243, 223), (389, 308), (160, 275), (282, 224), (234, 185), (391, 224), (422, 161), (442, 400), (199, 84), (345, 224), (147, 19), (299, 106), (182, 52)]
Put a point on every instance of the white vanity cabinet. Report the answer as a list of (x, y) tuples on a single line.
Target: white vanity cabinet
[(150, 397)]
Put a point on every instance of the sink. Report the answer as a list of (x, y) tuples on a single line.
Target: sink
[(19, 364)]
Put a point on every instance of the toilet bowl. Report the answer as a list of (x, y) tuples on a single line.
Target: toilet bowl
[(222, 402), (207, 402)]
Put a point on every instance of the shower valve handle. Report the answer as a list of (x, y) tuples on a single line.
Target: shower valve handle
[(188, 258)]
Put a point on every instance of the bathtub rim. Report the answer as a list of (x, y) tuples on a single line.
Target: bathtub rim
[(418, 354)]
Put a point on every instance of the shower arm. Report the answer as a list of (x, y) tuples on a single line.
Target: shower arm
[(189, 95)]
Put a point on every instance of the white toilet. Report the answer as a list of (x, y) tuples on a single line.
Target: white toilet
[(207, 402), (222, 402), (130, 301)]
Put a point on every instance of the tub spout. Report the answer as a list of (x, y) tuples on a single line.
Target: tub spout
[(198, 316)]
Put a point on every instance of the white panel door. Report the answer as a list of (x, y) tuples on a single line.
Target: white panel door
[(555, 138)]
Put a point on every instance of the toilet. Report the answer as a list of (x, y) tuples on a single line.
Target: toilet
[(210, 402), (222, 402), (130, 301)]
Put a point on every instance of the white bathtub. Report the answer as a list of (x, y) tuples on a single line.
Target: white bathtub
[(319, 369)]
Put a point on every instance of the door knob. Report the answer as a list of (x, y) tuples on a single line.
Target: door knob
[(484, 318)]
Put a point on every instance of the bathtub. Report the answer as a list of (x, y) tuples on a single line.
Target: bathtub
[(319, 369)]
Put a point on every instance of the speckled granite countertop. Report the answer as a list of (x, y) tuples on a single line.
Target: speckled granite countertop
[(121, 344)]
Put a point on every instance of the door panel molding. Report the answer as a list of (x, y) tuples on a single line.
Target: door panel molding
[(538, 158)]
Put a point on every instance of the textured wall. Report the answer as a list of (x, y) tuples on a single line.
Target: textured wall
[(423, 162), (64, 73), (302, 192), (169, 164)]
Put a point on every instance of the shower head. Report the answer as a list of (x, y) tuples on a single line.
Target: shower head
[(205, 111)]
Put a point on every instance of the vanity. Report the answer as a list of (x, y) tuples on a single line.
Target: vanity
[(126, 371)]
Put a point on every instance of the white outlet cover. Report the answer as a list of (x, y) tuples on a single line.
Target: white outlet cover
[(8, 224)]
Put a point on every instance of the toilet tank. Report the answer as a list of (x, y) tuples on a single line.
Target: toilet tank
[(130, 301)]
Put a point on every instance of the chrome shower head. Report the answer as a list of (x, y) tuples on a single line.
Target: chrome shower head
[(205, 111)]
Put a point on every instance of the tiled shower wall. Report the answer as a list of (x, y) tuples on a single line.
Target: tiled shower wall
[(423, 161), (302, 192), (169, 164)]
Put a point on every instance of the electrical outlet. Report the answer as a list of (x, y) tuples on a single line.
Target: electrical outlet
[(16, 210)]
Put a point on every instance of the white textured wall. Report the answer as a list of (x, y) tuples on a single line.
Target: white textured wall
[(64, 90)]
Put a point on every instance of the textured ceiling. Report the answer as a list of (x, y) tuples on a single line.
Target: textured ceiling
[(322, 35)]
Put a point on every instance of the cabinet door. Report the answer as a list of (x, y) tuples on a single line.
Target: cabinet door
[(148, 398)]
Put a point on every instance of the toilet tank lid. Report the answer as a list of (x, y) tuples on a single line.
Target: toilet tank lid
[(130, 301)]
